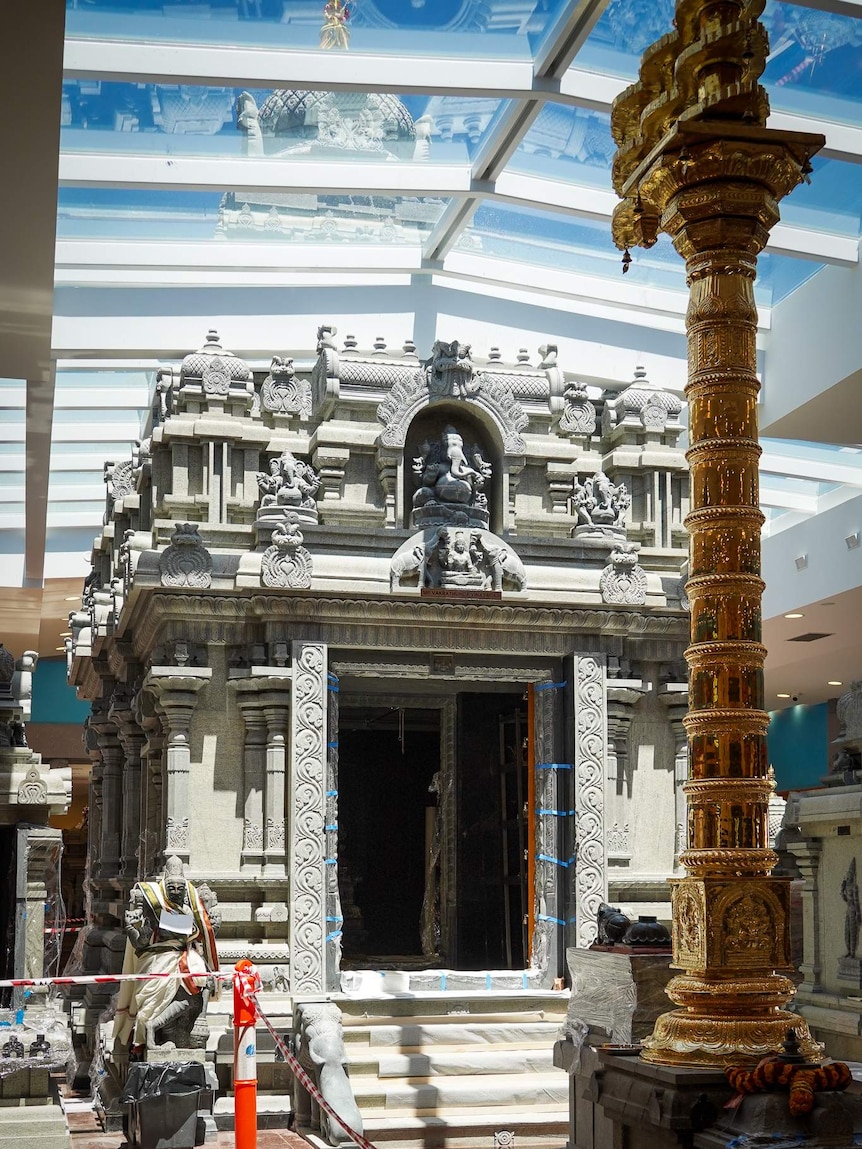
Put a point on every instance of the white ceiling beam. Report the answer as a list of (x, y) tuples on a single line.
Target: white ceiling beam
[(261, 174), (807, 467), (236, 278), (236, 256), (839, 7), (232, 66), (566, 37)]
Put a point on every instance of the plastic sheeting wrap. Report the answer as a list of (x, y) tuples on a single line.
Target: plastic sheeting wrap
[(429, 921), (25, 1026), (619, 994)]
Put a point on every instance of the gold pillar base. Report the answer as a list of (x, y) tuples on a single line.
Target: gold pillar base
[(683, 1038)]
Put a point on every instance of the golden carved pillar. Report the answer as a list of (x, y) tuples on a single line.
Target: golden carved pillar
[(696, 161)]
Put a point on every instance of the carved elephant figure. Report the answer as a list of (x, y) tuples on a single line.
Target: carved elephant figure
[(321, 1052)]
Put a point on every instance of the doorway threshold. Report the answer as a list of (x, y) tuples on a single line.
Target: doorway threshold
[(388, 982)]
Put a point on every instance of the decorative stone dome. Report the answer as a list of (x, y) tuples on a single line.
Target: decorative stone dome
[(213, 360), (373, 117)]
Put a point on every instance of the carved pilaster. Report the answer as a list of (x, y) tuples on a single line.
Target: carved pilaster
[(674, 696), (308, 859), (254, 773), (111, 753), (276, 711), (806, 853), (132, 740), (177, 699), (591, 879), (622, 697)]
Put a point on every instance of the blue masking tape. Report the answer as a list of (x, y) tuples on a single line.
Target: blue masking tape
[(554, 766), (331, 793), (336, 919), (330, 861), (557, 813), (335, 934), (547, 918), (334, 826), (550, 685), (556, 861)]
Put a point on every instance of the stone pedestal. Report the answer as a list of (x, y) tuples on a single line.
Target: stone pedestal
[(649, 1106)]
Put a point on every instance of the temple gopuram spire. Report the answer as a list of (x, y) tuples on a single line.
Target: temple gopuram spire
[(696, 161)]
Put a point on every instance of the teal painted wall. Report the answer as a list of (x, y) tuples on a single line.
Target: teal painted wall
[(798, 746), (54, 700)]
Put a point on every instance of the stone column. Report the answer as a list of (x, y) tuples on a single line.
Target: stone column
[(276, 711), (806, 853), (307, 848), (253, 774), (674, 696), (152, 814), (111, 755), (177, 697), (132, 740), (622, 697), (697, 162), (37, 883)]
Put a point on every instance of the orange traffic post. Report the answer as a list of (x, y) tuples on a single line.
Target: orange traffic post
[(246, 983)]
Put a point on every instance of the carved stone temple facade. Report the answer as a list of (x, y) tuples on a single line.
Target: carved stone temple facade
[(389, 652)]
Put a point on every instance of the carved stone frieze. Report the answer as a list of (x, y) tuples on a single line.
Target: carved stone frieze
[(457, 557), (177, 834), (186, 562), (578, 416), (286, 563), (600, 505), (450, 374), (282, 393), (33, 790), (289, 488), (623, 580), (307, 821)]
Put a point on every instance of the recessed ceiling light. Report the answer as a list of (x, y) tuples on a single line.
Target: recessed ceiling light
[(60, 648), (801, 562), (834, 682), (852, 541), (65, 634), (795, 614), (831, 602), (782, 696), (72, 598)]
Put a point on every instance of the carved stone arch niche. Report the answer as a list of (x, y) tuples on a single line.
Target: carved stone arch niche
[(428, 426)]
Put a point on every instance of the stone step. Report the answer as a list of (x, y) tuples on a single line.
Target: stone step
[(545, 1129), (488, 1090), (436, 1005), (457, 1032), (447, 1062)]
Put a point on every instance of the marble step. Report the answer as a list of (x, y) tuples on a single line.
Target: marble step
[(484, 1004), (430, 1096), (446, 1062)]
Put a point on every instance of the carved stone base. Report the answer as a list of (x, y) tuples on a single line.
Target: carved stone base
[(686, 1038), (850, 971)]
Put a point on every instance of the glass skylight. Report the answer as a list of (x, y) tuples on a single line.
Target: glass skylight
[(248, 217), (457, 27), (290, 124)]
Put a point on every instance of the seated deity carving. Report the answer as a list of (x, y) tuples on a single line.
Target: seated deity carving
[(600, 504), (452, 478), (457, 556), (289, 485), (170, 928)]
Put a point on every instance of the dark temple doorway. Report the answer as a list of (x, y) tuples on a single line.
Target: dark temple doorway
[(493, 822), (388, 759)]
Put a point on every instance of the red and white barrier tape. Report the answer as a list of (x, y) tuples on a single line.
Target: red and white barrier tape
[(222, 975), (102, 978), (307, 1083)]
